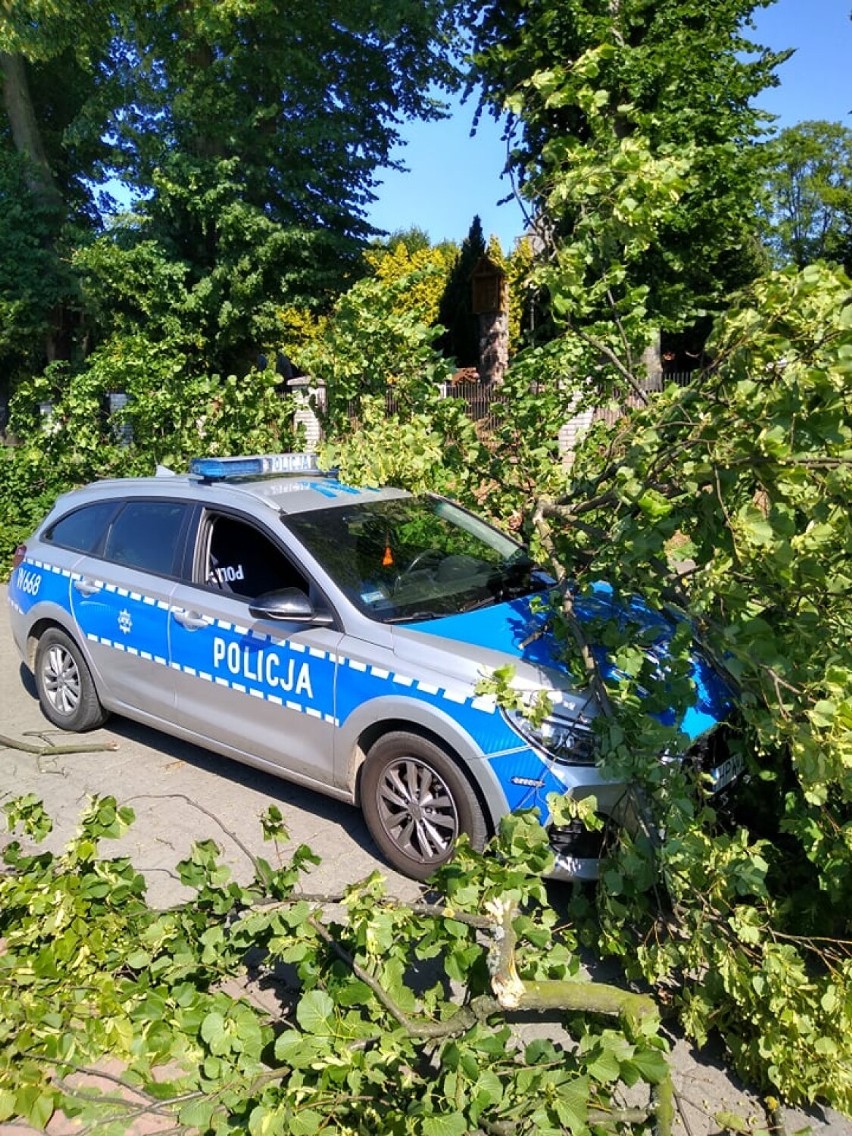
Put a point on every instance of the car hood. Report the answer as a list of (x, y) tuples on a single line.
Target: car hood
[(469, 645)]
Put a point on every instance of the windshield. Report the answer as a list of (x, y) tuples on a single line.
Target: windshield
[(413, 558)]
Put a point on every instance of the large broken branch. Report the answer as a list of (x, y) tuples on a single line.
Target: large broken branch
[(47, 749)]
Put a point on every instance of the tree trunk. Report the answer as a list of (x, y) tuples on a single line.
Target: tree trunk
[(25, 131)]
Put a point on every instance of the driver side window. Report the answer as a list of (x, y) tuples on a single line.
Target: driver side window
[(243, 561)]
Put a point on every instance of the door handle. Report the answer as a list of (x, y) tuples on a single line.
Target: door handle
[(191, 620), (87, 587)]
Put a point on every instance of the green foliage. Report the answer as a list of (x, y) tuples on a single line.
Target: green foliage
[(419, 276), (729, 499), (519, 268), (499, 683), (379, 338), (171, 416), (248, 135), (431, 448), (742, 479), (222, 318), (33, 278), (756, 474), (260, 128), (809, 185), (413, 239), (633, 131), (43, 29), (28, 488), (388, 1024), (725, 502)]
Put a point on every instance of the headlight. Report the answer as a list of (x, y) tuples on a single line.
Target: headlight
[(566, 740)]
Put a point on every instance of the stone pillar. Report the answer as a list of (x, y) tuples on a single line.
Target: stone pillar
[(304, 391), (651, 357), (491, 308), (493, 346)]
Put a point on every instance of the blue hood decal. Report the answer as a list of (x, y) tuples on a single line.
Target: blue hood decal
[(514, 629), (507, 627)]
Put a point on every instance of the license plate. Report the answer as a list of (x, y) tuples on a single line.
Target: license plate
[(727, 772)]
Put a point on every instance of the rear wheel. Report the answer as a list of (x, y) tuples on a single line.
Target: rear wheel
[(416, 802), (65, 688)]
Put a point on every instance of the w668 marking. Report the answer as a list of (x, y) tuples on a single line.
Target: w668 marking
[(28, 582)]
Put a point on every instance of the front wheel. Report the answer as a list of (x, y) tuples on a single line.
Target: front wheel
[(416, 802), (65, 688)]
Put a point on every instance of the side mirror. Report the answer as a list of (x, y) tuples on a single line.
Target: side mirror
[(289, 605)]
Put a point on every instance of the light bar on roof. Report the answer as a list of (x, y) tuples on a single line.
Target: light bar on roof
[(253, 465)]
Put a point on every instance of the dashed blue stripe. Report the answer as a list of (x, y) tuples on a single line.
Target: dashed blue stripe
[(486, 704)]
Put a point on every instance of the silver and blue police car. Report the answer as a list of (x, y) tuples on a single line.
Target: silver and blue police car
[(331, 635)]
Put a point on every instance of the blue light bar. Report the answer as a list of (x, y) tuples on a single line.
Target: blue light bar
[(254, 465)]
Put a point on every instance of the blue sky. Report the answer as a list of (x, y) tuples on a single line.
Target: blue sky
[(453, 176)]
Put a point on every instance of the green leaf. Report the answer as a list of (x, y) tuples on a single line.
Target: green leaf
[(652, 1065), (197, 1114), (7, 1104), (34, 1105), (447, 1124), (733, 1123), (823, 713), (213, 1031), (305, 1122), (605, 1066), (654, 504), (315, 1013), (572, 1104), (139, 959)]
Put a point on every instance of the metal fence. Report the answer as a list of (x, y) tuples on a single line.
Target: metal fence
[(486, 406), (481, 400)]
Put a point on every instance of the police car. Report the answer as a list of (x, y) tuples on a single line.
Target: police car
[(331, 635)]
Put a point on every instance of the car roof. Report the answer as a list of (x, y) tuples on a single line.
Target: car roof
[(288, 493)]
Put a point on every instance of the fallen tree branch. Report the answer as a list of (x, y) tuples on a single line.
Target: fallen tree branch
[(48, 749), (458, 1023)]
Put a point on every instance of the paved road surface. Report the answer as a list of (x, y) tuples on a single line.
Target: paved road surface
[(178, 789)]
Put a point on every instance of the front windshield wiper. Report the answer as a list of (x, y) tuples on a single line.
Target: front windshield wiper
[(475, 605), (414, 616)]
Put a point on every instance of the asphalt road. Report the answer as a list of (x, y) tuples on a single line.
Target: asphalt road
[(181, 794)]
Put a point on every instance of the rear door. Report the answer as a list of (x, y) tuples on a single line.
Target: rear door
[(120, 600), (264, 688)]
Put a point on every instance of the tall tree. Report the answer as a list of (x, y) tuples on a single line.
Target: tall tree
[(809, 183), (55, 63), (455, 313), (25, 133), (620, 110), (248, 132), (54, 72), (257, 130)]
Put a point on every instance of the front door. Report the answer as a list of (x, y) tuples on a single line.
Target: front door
[(261, 687)]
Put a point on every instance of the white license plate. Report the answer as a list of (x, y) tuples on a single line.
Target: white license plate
[(725, 773)]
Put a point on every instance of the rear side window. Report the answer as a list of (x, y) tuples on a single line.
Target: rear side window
[(83, 529), (146, 535)]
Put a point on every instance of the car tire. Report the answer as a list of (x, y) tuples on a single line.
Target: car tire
[(64, 682), (416, 801)]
